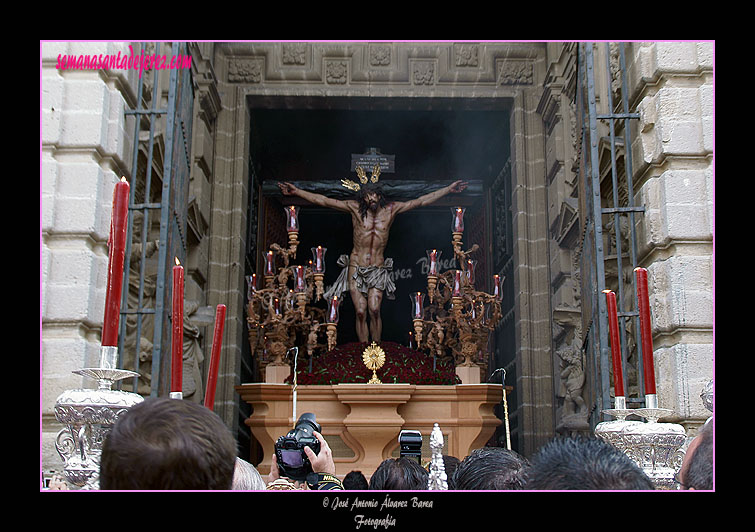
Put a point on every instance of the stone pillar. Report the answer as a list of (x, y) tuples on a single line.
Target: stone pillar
[(534, 384), (673, 161), (227, 233), (86, 147)]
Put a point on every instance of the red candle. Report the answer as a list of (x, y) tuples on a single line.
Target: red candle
[(177, 343), (292, 219), (252, 286), (318, 254), (217, 341), (613, 327), (116, 254), (434, 256), (269, 264), (458, 220), (646, 332), (471, 263), (457, 284), (299, 283), (417, 305), (497, 288), (333, 310)]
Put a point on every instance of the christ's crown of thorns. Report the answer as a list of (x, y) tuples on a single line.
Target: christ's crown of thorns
[(353, 185)]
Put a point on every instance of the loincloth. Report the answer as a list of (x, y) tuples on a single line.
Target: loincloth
[(365, 277)]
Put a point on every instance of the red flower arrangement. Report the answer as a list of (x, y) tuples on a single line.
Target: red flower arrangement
[(403, 365)]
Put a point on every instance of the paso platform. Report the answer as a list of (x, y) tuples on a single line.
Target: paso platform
[(361, 422)]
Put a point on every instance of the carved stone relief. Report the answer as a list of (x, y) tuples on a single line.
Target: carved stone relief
[(245, 70), (294, 53), (337, 72), (467, 55), (516, 72), (380, 55), (423, 73)]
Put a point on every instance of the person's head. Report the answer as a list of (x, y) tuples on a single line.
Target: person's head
[(399, 474), (355, 480), (584, 463), (168, 444), (696, 472), (246, 477), (491, 468), (370, 197)]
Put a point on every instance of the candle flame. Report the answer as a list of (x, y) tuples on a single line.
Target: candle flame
[(123, 179), (178, 263), (607, 291)]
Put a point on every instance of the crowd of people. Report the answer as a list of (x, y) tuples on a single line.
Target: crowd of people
[(168, 444)]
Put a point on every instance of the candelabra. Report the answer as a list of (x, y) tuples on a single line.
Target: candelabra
[(88, 416), (458, 318), (279, 314)]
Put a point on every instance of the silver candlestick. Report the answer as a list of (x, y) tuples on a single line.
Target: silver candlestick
[(88, 415), (653, 446)]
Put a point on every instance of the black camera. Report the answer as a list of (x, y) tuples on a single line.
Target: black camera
[(289, 449), (410, 444)]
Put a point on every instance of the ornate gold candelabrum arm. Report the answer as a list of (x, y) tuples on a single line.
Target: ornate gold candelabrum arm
[(331, 329), (319, 285)]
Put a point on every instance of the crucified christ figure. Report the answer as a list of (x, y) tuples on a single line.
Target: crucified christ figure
[(366, 273)]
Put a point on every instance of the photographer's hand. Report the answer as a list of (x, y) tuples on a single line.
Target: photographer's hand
[(323, 462)]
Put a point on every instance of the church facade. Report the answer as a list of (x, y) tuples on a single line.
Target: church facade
[(587, 160)]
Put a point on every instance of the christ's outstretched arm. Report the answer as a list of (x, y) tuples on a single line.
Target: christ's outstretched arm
[(317, 199), (429, 199)]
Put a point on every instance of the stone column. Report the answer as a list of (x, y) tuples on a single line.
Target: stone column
[(534, 384), (227, 233), (673, 161)]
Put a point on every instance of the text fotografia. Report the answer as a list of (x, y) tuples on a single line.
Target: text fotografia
[(128, 61), (357, 505)]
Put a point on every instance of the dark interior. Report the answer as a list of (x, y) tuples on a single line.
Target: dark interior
[(432, 140)]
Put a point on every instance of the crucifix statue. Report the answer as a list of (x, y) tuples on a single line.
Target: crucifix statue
[(366, 273)]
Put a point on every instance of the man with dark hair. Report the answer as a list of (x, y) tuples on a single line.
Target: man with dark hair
[(355, 480), (168, 444), (584, 463), (696, 472), (366, 273), (491, 468), (399, 474)]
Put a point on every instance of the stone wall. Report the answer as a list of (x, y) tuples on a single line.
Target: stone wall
[(86, 142), (673, 88)]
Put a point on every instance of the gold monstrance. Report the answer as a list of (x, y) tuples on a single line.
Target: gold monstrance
[(374, 358)]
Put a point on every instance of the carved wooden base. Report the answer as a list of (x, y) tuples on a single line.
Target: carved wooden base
[(362, 421)]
